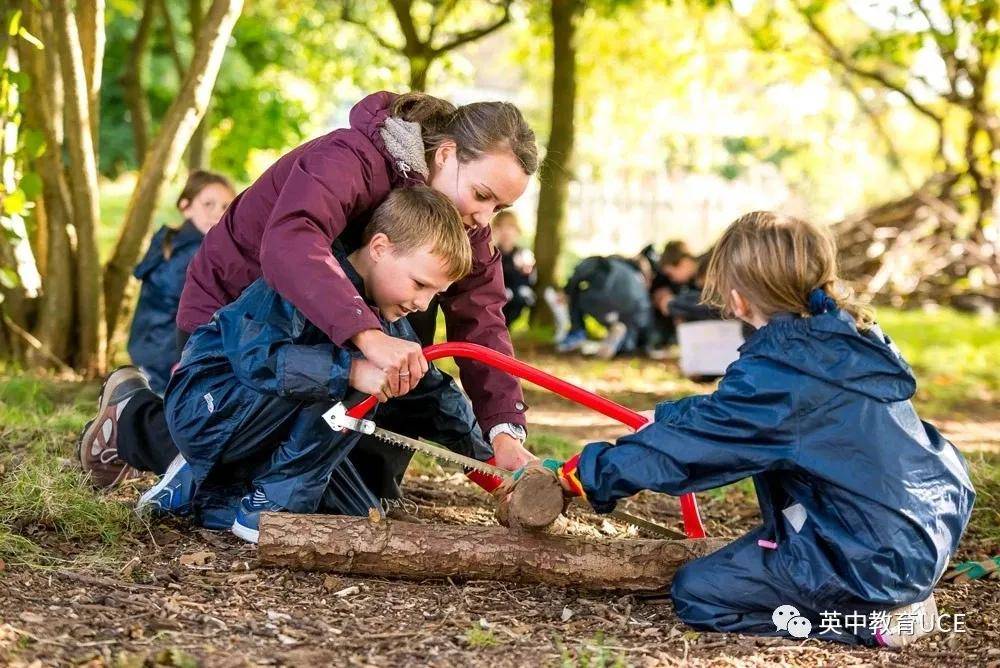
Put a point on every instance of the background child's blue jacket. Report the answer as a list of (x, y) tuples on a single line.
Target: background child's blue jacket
[(259, 374), (864, 500), (152, 342)]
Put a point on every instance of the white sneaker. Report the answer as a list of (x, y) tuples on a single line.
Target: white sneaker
[(908, 623), (613, 341), (560, 311)]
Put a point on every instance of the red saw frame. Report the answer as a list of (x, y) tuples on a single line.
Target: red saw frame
[(689, 506)]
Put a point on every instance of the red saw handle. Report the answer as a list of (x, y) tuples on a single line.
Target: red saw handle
[(689, 507)]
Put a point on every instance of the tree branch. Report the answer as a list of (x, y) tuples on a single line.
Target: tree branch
[(472, 35), (874, 75), (171, 37), (348, 17)]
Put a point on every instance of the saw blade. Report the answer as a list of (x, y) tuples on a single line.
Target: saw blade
[(439, 452)]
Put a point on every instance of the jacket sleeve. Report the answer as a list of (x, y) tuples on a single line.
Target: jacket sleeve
[(473, 309), (326, 186), (265, 356), (438, 411), (745, 427)]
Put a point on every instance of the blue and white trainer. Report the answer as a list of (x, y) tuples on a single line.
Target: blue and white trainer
[(572, 341), (173, 493), (247, 524)]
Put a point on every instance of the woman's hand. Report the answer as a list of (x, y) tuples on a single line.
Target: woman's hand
[(403, 361), (510, 453), (366, 377)]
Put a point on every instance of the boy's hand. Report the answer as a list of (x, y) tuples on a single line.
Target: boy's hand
[(402, 360), (368, 378), (510, 453)]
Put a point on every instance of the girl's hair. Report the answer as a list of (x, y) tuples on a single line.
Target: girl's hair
[(477, 128), (418, 216), (775, 262), (197, 181)]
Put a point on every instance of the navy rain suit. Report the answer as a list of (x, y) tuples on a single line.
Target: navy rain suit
[(865, 502), (610, 289), (152, 341), (245, 409)]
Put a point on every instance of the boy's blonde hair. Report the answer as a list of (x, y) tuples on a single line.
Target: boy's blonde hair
[(418, 216), (774, 262)]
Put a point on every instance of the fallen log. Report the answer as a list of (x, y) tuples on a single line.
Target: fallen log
[(384, 548)]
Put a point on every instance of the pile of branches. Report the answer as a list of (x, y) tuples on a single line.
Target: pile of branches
[(921, 249)]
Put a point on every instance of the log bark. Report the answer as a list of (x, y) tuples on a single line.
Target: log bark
[(359, 546)]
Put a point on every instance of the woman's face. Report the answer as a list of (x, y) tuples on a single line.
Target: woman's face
[(479, 188), (206, 208)]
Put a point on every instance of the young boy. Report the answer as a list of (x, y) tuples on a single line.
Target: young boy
[(245, 405), (519, 275)]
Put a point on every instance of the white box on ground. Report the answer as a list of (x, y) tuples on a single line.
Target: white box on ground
[(709, 346)]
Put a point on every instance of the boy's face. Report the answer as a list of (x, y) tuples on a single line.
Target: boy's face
[(206, 208), (683, 271), (401, 283), (505, 236)]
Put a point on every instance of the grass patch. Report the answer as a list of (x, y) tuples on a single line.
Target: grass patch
[(595, 653), (480, 638), (954, 356), (45, 495), (984, 469), (42, 492)]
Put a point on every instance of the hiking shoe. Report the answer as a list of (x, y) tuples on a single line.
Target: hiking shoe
[(402, 510), (571, 341), (908, 623), (174, 491), (247, 523), (97, 448), (612, 343)]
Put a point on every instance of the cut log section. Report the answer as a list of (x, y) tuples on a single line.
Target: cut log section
[(359, 546), (533, 503)]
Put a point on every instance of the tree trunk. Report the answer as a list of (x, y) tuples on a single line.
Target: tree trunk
[(90, 26), (131, 80), (196, 158), (554, 174), (83, 191), (43, 110), (358, 546), (419, 65), (532, 502), (165, 153)]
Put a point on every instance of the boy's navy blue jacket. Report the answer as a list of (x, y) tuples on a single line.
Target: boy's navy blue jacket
[(152, 342), (862, 497), (259, 365)]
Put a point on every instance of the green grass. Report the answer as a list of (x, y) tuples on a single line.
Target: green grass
[(954, 356), (43, 493)]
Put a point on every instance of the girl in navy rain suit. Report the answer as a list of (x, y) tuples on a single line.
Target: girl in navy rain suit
[(862, 504), (152, 342)]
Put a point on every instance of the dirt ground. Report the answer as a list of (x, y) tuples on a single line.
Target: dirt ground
[(192, 597)]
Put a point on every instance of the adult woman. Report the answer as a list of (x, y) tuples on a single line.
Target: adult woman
[(481, 155)]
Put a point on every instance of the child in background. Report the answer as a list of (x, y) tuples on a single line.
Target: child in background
[(519, 275), (614, 291), (152, 343), (862, 503), (245, 407)]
